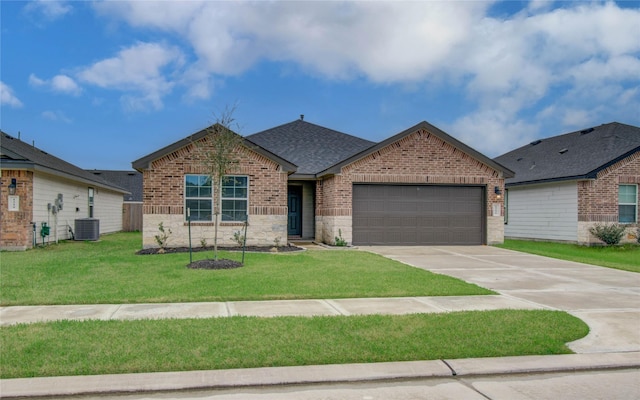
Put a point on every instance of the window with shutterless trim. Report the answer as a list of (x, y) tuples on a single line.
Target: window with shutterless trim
[(235, 198), (627, 204), (198, 197)]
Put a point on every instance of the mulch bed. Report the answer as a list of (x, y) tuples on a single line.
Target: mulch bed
[(253, 249), (221, 263)]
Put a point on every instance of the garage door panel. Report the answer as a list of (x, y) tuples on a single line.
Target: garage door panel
[(417, 214)]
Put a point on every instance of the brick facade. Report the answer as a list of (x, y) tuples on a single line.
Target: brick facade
[(418, 158), (163, 188), (598, 199), (16, 232)]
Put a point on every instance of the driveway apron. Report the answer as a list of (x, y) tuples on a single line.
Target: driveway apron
[(608, 300)]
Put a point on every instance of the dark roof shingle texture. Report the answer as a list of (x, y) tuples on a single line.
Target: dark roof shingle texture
[(574, 155), (311, 147), (15, 150), (130, 180)]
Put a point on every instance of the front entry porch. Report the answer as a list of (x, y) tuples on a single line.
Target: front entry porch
[(301, 210)]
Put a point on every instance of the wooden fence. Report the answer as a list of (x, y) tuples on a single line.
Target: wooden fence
[(132, 217)]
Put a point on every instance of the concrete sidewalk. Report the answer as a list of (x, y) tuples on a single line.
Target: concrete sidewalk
[(273, 308), (327, 374)]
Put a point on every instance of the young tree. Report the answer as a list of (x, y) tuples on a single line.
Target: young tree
[(219, 157)]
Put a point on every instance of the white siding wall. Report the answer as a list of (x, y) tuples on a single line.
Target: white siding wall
[(543, 212), (108, 209), (108, 206)]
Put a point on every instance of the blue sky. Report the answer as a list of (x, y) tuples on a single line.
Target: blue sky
[(101, 84)]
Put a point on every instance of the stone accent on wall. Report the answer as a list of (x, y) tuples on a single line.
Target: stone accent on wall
[(17, 232), (329, 227), (586, 238), (263, 230), (495, 230)]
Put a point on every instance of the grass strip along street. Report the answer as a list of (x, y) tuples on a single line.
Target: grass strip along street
[(109, 272), (114, 347), (625, 257)]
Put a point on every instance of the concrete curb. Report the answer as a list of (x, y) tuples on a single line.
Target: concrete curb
[(314, 374)]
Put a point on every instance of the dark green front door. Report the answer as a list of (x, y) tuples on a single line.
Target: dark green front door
[(294, 202)]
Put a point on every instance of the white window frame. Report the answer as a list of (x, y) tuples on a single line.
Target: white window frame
[(200, 198), (635, 217), (222, 198)]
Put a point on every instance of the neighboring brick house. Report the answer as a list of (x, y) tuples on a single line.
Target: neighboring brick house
[(301, 180), (37, 188), (566, 184)]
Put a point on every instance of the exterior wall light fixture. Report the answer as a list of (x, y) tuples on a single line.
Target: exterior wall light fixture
[(12, 187)]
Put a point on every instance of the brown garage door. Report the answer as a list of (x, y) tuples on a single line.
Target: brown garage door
[(418, 215)]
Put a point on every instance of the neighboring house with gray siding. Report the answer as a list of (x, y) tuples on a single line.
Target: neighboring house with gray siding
[(566, 184), (38, 188)]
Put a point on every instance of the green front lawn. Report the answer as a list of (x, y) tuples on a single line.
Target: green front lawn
[(109, 272), (115, 347), (626, 257)]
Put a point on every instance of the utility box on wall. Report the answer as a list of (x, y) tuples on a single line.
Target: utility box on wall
[(87, 229)]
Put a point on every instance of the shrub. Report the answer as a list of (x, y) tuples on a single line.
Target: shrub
[(340, 240), (163, 236), (638, 235), (238, 237), (610, 234)]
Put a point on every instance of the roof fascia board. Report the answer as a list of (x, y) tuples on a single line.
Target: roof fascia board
[(54, 172), (303, 177), (335, 169), (550, 180), (16, 164), (145, 162)]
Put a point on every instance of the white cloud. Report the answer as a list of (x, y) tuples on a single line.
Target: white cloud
[(59, 83), (8, 97), (140, 69), (63, 83), (56, 116), (35, 81), (576, 118), (507, 65), (49, 9), (493, 132)]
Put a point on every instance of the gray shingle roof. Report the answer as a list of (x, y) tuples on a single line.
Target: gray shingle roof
[(576, 155), (15, 153), (311, 147), (130, 180)]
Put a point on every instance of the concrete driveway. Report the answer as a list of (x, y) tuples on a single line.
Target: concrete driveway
[(608, 300)]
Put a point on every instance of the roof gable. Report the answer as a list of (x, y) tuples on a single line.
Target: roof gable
[(336, 168), (17, 154), (575, 155), (145, 162), (311, 147)]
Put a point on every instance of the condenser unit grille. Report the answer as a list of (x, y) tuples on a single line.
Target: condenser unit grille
[(87, 229)]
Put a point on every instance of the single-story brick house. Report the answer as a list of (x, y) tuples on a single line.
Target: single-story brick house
[(566, 184), (38, 188), (301, 180)]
